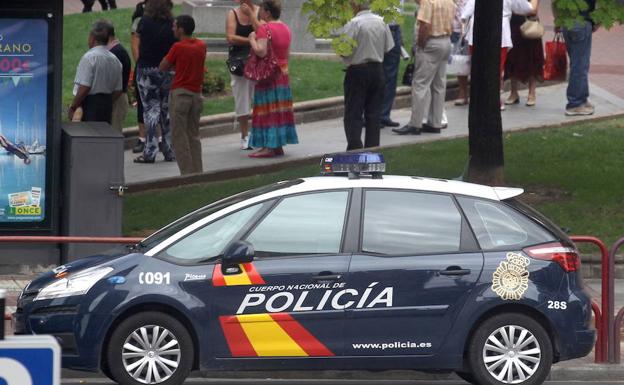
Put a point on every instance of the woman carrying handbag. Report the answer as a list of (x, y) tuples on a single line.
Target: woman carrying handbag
[(273, 120)]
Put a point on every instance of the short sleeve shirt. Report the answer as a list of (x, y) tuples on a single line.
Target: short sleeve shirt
[(373, 38), (100, 70), (188, 56), (439, 14)]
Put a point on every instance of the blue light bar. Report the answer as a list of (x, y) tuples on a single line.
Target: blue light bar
[(353, 164)]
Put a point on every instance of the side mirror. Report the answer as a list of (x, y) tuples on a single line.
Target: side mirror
[(238, 252)]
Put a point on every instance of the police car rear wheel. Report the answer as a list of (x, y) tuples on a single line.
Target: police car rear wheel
[(510, 349), (150, 348)]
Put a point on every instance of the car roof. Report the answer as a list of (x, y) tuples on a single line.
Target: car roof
[(407, 183)]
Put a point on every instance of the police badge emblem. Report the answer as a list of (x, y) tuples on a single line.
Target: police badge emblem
[(511, 278)]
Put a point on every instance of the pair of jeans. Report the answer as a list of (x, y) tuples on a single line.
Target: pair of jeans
[(154, 86), (579, 43), (88, 5), (391, 63), (363, 90)]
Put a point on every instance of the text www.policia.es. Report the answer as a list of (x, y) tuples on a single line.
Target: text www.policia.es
[(393, 345)]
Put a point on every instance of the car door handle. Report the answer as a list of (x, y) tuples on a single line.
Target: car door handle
[(327, 277), (454, 271)]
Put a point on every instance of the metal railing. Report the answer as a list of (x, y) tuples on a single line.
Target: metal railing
[(602, 313)]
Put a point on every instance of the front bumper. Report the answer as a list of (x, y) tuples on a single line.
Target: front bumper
[(76, 332)]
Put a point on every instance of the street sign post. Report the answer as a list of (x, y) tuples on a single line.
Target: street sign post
[(30, 360)]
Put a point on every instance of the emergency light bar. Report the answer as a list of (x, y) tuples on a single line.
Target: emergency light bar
[(354, 164)]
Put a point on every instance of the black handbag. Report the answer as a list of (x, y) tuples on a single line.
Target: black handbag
[(408, 75), (236, 62)]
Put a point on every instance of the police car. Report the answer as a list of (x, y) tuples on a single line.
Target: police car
[(352, 270)]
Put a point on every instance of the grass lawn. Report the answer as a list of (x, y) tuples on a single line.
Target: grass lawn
[(311, 79), (574, 175)]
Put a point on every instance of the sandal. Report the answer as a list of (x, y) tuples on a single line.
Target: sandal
[(461, 102), (142, 159)]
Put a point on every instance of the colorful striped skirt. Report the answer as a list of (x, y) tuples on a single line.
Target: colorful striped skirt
[(273, 121)]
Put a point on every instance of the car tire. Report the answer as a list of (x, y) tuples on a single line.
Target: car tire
[(150, 348), (466, 377), (494, 358)]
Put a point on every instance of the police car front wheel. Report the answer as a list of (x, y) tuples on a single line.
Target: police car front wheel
[(510, 349), (150, 348)]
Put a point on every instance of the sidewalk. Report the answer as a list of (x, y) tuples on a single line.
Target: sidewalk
[(75, 6), (221, 153)]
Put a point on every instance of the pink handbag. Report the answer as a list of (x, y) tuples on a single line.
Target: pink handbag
[(262, 68)]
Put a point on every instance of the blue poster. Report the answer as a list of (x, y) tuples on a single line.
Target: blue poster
[(23, 119)]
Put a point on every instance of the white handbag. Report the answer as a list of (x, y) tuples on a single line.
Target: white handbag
[(532, 29), (460, 60)]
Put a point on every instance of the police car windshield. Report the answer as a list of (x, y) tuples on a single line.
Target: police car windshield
[(195, 216)]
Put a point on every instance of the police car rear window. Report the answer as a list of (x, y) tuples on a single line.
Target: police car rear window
[(498, 226)]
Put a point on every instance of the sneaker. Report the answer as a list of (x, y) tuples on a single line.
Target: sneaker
[(588, 103), (139, 147), (582, 110), (244, 144)]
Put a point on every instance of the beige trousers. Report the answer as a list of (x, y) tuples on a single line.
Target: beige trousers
[(185, 108), (120, 110)]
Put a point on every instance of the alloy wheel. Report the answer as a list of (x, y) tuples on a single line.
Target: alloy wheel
[(151, 354), (511, 354)]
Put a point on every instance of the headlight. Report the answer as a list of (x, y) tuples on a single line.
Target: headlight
[(78, 283)]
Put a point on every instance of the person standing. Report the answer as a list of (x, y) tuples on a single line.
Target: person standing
[(106, 4), (525, 63), (135, 42), (579, 44), (364, 81), (188, 57), (98, 81), (458, 37), (518, 7), (391, 62), (435, 25), (155, 31), (273, 120), (238, 27), (121, 104)]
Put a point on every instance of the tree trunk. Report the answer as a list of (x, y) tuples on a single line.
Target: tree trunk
[(484, 122)]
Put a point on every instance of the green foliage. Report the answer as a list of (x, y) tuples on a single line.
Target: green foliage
[(213, 83), (607, 13), (327, 17)]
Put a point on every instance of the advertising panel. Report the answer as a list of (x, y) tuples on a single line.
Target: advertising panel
[(24, 119)]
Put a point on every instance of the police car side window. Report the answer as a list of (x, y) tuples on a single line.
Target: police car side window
[(210, 240), (498, 226), (410, 223), (303, 224)]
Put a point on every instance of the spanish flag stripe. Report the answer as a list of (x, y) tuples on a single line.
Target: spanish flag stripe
[(217, 276), (238, 279), (253, 274), (312, 346), (236, 338), (268, 338)]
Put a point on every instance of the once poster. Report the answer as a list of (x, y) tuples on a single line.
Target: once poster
[(23, 119)]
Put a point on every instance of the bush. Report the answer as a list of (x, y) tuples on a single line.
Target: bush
[(213, 84)]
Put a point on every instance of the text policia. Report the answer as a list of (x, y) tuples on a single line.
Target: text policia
[(335, 297)]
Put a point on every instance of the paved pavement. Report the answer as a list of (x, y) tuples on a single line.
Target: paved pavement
[(75, 6), (221, 153), (331, 382)]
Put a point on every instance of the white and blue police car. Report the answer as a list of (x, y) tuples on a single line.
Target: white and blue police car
[(353, 270)]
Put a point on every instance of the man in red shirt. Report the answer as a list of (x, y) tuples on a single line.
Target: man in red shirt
[(188, 57)]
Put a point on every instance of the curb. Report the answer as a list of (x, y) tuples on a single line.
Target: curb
[(585, 372), (235, 173)]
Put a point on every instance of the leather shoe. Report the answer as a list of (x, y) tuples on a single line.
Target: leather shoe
[(431, 129), (407, 130), (389, 123)]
